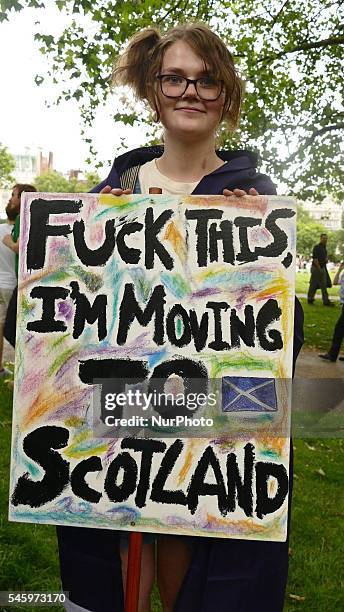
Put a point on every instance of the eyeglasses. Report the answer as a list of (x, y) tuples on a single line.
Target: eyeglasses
[(175, 86)]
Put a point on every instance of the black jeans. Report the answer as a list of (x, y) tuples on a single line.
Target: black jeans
[(10, 326), (338, 336), (317, 280)]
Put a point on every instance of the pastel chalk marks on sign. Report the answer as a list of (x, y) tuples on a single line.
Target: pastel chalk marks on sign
[(137, 287)]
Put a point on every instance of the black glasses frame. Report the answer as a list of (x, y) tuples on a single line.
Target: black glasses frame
[(194, 82)]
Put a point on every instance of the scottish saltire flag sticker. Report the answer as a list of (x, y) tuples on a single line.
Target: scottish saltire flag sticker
[(241, 393)]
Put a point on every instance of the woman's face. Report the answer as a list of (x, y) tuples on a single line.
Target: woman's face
[(188, 114)]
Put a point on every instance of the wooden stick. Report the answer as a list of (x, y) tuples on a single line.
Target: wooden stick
[(133, 572), (132, 590)]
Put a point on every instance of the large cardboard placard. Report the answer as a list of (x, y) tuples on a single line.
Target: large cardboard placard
[(194, 293)]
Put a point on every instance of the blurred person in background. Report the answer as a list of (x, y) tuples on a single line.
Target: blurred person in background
[(319, 275), (8, 278), (12, 242), (338, 334)]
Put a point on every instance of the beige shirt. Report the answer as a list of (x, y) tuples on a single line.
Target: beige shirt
[(150, 176)]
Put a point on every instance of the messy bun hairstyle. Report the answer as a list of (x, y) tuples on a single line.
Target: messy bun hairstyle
[(142, 61)]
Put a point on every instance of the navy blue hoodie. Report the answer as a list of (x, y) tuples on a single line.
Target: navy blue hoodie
[(239, 172)]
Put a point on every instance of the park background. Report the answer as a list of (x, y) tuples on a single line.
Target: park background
[(55, 71)]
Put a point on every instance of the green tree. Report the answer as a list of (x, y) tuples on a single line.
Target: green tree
[(78, 186), (308, 234), (92, 179), (7, 165), (289, 51), (54, 182)]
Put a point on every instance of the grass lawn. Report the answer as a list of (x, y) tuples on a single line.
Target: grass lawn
[(302, 284), (28, 553), (319, 323)]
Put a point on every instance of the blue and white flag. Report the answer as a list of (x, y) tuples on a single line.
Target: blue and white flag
[(241, 393)]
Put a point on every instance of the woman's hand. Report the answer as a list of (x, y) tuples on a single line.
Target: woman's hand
[(240, 192), (116, 192)]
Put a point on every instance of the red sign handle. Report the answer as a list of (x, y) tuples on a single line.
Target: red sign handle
[(135, 548), (133, 572)]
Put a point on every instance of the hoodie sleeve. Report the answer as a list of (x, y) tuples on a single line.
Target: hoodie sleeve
[(261, 182), (112, 179)]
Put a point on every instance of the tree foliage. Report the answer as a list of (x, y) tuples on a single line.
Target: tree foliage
[(289, 51), (7, 165), (51, 182), (308, 234), (54, 182), (340, 244)]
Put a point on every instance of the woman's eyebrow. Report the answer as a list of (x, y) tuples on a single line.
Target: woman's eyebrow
[(175, 70)]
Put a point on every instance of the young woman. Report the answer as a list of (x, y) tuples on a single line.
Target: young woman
[(188, 79)]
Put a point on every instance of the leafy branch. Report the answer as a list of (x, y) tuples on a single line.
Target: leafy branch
[(317, 44), (309, 141)]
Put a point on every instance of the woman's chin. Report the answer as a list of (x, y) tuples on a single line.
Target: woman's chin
[(189, 129)]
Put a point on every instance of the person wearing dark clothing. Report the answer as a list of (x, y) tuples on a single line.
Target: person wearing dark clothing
[(10, 326), (319, 275), (211, 580), (188, 78), (338, 333)]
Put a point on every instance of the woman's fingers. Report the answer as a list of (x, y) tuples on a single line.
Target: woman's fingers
[(236, 192), (117, 191), (239, 193)]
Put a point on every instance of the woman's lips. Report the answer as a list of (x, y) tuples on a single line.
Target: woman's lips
[(190, 110)]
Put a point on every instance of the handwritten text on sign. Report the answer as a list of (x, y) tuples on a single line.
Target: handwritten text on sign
[(145, 288)]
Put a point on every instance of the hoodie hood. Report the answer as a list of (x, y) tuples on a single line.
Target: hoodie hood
[(239, 172), (239, 159)]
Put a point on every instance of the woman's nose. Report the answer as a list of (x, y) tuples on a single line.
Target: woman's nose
[(191, 90)]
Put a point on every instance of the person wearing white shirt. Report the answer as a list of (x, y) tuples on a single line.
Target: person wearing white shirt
[(7, 276)]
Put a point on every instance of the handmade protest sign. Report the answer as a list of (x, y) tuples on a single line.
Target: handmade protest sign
[(153, 361)]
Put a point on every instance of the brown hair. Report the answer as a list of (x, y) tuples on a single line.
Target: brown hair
[(142, 61), (20, 187), (11, 212)]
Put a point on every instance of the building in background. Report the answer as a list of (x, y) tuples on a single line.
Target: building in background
[(30, 164), (328, 213)]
